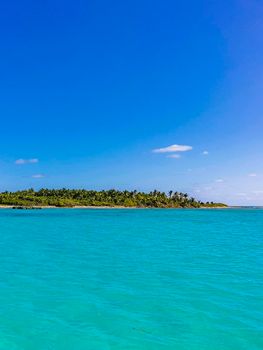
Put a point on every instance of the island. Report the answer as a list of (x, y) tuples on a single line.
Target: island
[(70, 198)]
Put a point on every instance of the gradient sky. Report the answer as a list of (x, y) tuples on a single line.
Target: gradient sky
[(89, 89)]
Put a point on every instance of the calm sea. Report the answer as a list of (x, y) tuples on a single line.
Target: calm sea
[(78, 279)]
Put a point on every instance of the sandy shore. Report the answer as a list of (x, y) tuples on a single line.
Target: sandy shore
[(101, 207)]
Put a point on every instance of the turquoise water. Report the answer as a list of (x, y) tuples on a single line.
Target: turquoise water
[(76, 279)]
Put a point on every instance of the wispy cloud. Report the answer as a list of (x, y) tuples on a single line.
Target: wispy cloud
[(219, 180), (38, 176), (252, 174), (173, 148), (257, 192), (205, 153), (176, 156), (23, 161)]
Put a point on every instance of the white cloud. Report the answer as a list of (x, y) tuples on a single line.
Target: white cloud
[(174, 156), (208, 188), (241, 194), (252, 174), (173, 148), (219, 180), (205, 153), (22, 161), (38, 176), (257, 192)]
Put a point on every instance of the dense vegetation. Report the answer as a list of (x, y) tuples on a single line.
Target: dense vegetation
[(70, 198)]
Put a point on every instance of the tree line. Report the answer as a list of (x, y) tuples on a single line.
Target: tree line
[(109, 198)]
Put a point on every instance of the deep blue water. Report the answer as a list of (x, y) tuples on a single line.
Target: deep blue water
[(76, 279)]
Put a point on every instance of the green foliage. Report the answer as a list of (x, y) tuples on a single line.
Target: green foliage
[(111, 198)]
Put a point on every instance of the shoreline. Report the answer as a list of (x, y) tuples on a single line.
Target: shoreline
[(17, 207)]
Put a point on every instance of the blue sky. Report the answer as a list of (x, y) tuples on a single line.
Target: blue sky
[(90, 91)]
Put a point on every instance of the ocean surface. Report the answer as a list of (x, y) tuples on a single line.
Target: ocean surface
[(80, 279)]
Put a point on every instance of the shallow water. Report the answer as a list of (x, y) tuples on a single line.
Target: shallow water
[(131, 279)]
